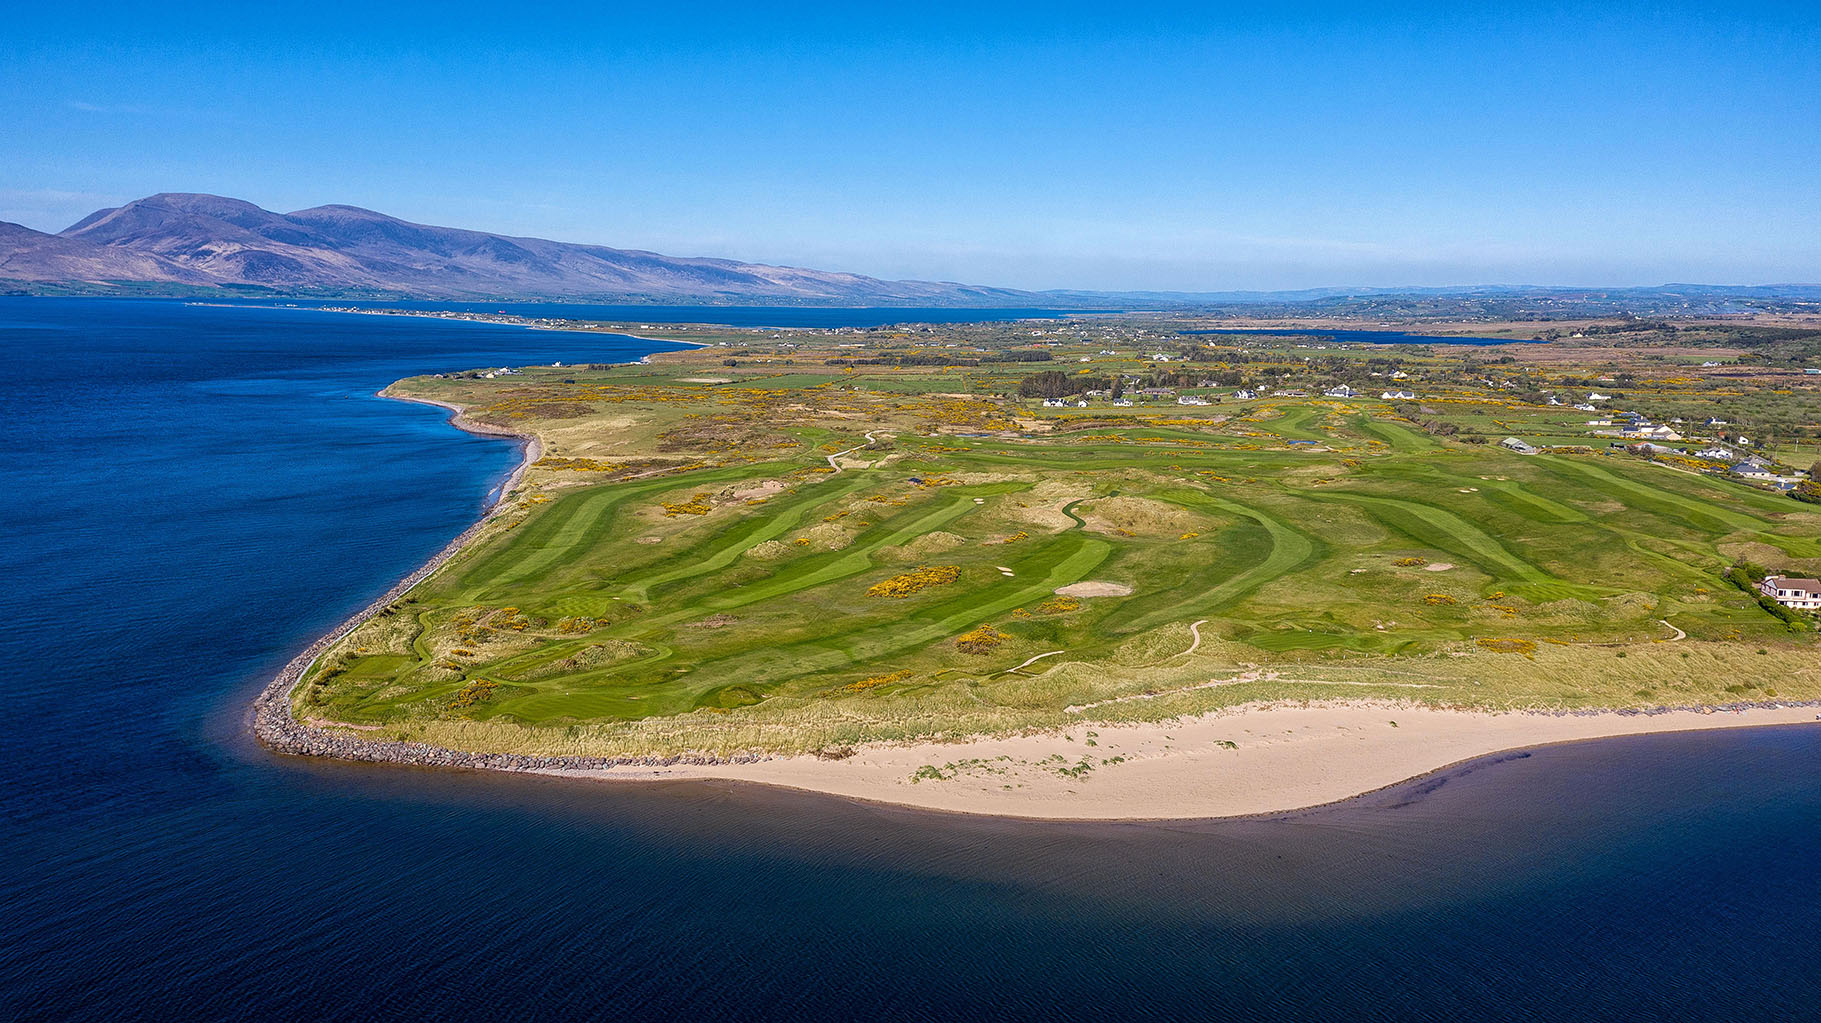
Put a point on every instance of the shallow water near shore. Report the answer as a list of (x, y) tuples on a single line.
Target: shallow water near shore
[(196, 493)]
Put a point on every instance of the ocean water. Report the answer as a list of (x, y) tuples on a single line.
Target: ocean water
[(193, 494), (732, 315)]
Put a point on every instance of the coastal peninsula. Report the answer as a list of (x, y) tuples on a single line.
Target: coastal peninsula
[(1085, 568)]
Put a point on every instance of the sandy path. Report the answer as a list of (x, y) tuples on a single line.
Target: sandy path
[(1243, 761), (1032, 661), (839, 454)]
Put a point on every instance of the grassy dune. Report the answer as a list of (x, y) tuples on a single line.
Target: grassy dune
[(685, 571)]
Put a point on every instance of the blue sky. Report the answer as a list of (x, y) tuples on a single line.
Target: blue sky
[(1096, 146)]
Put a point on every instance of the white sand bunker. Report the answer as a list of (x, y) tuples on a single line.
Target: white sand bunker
[(1093, 588), (1437, 566), (703, 380)]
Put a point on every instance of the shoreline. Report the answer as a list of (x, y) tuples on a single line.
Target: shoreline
[(510, 320), (1319, 757), (1245, 761)]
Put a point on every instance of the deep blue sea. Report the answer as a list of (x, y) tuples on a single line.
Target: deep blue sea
[(192, 494), (731, 315)]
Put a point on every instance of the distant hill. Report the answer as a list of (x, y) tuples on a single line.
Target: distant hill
[(181, 243)]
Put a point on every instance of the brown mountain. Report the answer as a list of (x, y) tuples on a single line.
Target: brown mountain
[(183, 242)]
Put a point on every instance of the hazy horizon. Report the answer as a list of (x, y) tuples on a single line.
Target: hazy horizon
[(1390, 146)]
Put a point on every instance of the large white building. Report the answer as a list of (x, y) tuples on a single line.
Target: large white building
[(1801, 594)]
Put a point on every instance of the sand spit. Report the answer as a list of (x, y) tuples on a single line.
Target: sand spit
[(1245, 761)]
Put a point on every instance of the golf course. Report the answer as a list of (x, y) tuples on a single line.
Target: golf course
[(714, 562)]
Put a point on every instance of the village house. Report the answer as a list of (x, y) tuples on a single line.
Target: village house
[(1519, 446), (1054, 403), (1190, 399), (1718, 454), (1341, 391), (1801, 594), (1399, 396), (1244, 394)]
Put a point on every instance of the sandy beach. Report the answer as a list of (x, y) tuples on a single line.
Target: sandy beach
[(1250, 760)]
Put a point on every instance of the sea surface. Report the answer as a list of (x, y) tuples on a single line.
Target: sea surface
[(192, 494), (1366, 337), (730, 315)]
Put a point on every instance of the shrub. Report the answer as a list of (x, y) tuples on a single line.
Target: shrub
[(1511, 646), (900, 586), (980, 641), (874, 682)]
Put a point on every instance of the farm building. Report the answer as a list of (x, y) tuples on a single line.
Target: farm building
[(1801, 594), (1518, 446)]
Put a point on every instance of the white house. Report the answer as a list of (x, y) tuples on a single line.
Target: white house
[(1584, 407), (1599, 422), (1342, 391), (1398, 396), (1190, 399), (1802, 594), (1755, 473), (1123, 402), (1597, 396), (1244, 394), (1054, 403), (1718, 454)]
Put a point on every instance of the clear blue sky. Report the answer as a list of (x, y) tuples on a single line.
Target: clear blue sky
[(1099, 146)]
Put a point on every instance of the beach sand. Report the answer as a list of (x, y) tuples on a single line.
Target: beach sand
[(1279, 758)]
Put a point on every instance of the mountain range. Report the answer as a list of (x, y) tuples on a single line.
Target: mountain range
[(183, 243), (178, 243)]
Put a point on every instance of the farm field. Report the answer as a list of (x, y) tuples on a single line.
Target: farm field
[(801, 561)]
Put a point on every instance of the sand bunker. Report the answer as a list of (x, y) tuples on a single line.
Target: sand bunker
[(703, 380), (1095, 589), (759, 491), (1438, 566)]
